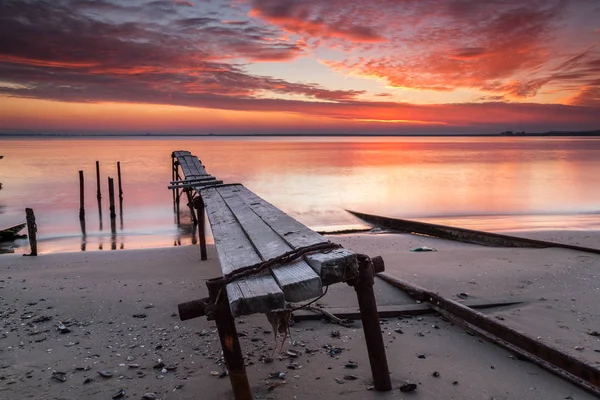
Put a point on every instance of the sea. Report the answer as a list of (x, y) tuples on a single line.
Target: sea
[(496, 184)]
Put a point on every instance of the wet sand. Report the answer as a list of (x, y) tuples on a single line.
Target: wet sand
[(120, 311)]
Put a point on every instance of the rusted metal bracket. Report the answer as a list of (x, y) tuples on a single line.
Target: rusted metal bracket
[(363, 285)]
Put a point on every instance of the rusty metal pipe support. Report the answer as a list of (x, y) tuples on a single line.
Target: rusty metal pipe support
[(199, 206), (363, 286), (232, 350)]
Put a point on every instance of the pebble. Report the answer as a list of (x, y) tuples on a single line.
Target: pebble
[(408, 387), (59, 376)]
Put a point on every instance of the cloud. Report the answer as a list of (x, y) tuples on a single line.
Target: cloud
[(322, 20), (509, 48), (172, 53)]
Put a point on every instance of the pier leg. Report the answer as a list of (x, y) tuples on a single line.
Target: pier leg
[(119, 178), (81, 198), (232, 351), (370, 321), (98, 192), (31, 231), (113, 214), (199, 206), (190, 203)]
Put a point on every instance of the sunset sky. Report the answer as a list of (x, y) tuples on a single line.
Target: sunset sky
[(299, 66)]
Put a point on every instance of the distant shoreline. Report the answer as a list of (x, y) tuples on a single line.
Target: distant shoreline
[(151, 135)]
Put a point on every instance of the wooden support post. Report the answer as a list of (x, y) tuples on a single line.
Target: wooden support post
[(111, 196), (98, 192), (230, 344), (81, 197), (113, 214), (191, 206), (370, 321), (199, 206), (119, 179), (31, 231)]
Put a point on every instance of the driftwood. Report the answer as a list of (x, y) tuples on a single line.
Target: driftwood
[(334, 314), (564, 365), (461, 234)]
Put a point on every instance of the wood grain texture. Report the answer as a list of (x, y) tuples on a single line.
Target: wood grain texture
[(297, 279), (332, 267), (234, 249)]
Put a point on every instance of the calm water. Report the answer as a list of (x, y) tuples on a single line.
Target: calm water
[(494, 184)]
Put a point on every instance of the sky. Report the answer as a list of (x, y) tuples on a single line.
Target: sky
[(299, 66)]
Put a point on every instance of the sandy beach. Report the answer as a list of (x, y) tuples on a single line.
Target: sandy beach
[(115, 313)]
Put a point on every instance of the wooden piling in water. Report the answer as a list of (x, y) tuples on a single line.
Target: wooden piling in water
[(98, 193), (111, 197), (31, 231), (81, 197), (119, 179)]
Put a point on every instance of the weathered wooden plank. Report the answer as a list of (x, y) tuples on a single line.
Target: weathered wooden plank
[(407, 310), (297, 279), (187, 167), (335, 266), (202, 178), (198, 184), (193, 165), (254, 295), (578, 371), (462, 234)]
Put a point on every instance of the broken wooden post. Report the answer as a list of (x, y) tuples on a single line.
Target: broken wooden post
[(111, 197), (230, 343), (81, 197), (199, 206), (31, 231), (113, 214), (98, 193), (363, 285), (119, 180)]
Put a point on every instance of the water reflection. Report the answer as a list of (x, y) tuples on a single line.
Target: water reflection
[(497, 183)]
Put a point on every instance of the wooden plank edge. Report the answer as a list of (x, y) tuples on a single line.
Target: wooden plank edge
[(403, 310), (546, 356), (462, 234)]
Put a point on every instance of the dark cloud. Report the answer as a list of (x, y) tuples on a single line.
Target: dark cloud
[(52, 51), (317, 19)]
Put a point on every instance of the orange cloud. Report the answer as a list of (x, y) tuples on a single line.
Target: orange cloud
[(305, 19)]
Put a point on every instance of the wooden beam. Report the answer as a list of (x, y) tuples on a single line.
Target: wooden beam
[(564, 365), (335, 266), (402, 310), (196, 184), (461, 234), (204, 178), (258, 294)]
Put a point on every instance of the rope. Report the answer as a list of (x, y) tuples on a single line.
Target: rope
[(278, 261)]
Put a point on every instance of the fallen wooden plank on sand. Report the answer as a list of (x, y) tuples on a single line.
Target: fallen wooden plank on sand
[(461, 234), (403, 310), (564, 365)]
